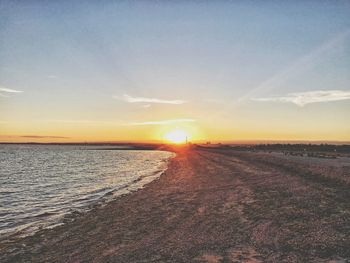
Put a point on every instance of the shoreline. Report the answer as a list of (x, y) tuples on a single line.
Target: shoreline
[(208, 206), (61, 218)]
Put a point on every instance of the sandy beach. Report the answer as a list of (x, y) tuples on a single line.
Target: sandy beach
[(211, 205)]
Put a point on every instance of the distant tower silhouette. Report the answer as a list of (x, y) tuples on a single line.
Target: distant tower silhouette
[(186, 140)]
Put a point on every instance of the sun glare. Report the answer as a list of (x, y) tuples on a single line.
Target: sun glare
[(177, 137)]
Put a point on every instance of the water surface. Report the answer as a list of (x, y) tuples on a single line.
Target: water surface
[(40, 184)]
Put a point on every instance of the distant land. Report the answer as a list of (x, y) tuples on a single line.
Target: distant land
[(214, 142)]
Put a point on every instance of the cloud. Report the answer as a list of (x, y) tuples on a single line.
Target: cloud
[(301, 65), (118, 123), (72, 121), (159, 122), (6, 91), (10, 90), (34, 136), (86, 122), (43, 137), (131, 99), (303, 98)]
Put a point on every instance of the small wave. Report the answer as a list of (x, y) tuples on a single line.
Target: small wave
[(84, 180), (46, 214)]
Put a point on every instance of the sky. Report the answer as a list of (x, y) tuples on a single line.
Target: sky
[(87, 71)]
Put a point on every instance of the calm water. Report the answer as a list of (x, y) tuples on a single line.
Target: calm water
[(39, 185)]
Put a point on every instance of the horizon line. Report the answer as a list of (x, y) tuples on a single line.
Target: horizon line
[(262, 141)]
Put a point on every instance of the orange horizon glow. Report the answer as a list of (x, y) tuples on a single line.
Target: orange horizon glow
[(90, 140), (198, 131)]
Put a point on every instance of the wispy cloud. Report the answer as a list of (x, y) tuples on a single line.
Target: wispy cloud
[(159, 122), (300, 65), (118, 123), (43, 137), (85, 122), (131, 99), (9, 90), (303, 98), (4, 91), (34, 136)]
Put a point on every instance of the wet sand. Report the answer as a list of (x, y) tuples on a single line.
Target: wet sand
[(211, 205)]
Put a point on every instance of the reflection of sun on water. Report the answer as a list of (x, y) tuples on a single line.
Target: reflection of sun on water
[(177, 136)]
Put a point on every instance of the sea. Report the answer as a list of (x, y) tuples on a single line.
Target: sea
[(43, 185)]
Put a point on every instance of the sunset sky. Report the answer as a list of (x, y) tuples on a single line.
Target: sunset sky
[(137, 70)]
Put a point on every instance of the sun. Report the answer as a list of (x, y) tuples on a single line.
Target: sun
[(176, 136)]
